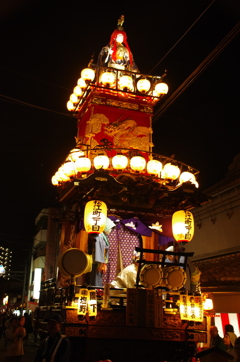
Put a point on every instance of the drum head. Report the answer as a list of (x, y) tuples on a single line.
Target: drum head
[(74, 262), (150, 276), (174, 277)]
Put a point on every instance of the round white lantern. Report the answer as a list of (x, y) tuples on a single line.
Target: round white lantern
[(81, 83), (101, 161), (137, 163), (187, 176), (82, 164), (119, 162), (143, 85), (154, 167), (160, 89), (108, 79), (88, 74), (170, 172), (126, 83), (70, 106)]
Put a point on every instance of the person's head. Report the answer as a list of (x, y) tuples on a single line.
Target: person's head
[(14, 322), (21, 320), (170, 257), (213, 331), (228, 328), (54, 324), (230, 339)]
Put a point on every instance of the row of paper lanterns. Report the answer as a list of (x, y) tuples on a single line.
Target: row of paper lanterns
[(108, 79), (95, 216), (120, 162)]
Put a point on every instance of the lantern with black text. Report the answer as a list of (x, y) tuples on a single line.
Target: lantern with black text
[(183, 226), (95, 215)]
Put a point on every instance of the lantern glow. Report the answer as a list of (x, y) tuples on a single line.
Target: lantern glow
[(137, 163), (95, 216), (119, 162), (183, 226)]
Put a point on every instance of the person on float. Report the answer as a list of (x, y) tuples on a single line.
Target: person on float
[(56, 347), (216, 340), (229, 341)]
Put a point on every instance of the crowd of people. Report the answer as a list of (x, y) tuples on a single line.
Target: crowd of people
[(229, 343), (15, 331)]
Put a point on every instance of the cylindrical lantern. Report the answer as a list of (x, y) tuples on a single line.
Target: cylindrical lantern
[(143, 85), (187, 176), (95, 216), (63, 176), (88, 74), (208, 304), (70, 106), (183, 226), (101, 161), (126, 83), (82, 164), (154, 167), (137, 163), (108, 79), (81, 83), (119, 162), (170, 171), (160, 89)]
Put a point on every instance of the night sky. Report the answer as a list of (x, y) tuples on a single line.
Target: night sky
[(45, 45)]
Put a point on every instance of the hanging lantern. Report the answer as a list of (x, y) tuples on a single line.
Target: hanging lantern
[(119, 162), (78, 91), (154, 167), (170, 171), (108, 79), (70, 106), (160, 89), (88, 74), (208, 304), (81, 83), (73, 98), (187, 176), (137, 163), (68, 168), (143, 85), (101, 161), (95, 215), (82, 164), (183, 226), (63, 176), (126, 83)]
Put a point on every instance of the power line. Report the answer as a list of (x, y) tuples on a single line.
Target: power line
[(181, 37), (17, 101), (199, 70)]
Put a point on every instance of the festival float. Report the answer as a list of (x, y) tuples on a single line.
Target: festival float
[(125, 290)]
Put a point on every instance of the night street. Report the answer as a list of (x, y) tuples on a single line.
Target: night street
[(29, 349)]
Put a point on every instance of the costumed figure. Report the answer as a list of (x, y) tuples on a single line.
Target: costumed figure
[(127, 277), (117, 53)]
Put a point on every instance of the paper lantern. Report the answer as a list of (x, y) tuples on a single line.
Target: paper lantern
[(126, 83), (108, 79), (119, 162), (187, 176), (160, 89), (137, 163), (143, 85), (83, 164), (101, 161), (95, 216), (154, 167), (88, 74), (170, 172), (183, 226)]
